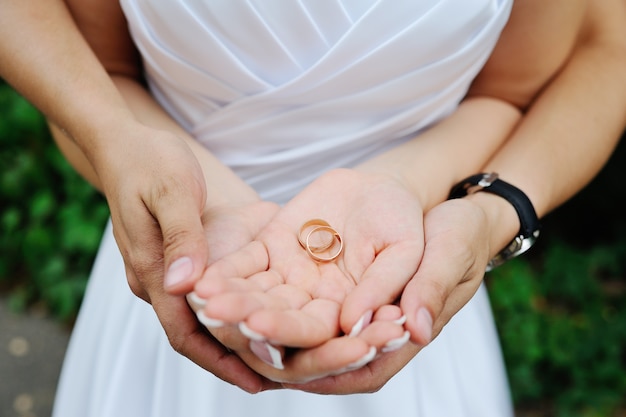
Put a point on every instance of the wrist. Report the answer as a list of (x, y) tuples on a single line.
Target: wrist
[(104, 140), (527, 220), (429, 188), (502, 220)]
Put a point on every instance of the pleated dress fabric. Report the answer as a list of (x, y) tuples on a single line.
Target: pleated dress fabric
[(281, 91)]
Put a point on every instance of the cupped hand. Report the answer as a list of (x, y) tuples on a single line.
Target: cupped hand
[(366, 379), (164, 228), (453, 265), (384, 333), (455, 258), (284, 297)]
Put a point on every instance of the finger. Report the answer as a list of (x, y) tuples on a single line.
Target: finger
[(443, 268), (231, 337), (263, 282), (313, 324), (382, 282), (237, 306), (188, 338), (386, 336), (335, 356), (302, 365), (390, 312), (178, 212), (135, 285), (249, 260), (268, 353), (367, 379), (141, 247)]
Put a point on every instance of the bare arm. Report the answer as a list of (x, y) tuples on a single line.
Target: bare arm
[(575, 122), (562, 63), (567, 134), (40, 35), (120, 143)]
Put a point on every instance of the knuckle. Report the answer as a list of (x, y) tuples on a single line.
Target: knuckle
[(177, 342), (135, 284), (142, 272), (172, 189), (136, 288), (146, 268), (177, 336), (176, 235), (438, 294), (181, 241)]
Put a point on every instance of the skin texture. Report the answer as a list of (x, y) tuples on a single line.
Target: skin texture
[(194, 197)]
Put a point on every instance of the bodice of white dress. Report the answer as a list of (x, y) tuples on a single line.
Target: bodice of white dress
[(286, 89)]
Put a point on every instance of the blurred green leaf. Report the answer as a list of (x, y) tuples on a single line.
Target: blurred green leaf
[(51, 219)]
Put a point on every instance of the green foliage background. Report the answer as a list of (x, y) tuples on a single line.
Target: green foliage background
[(560, 310), (51, 220)]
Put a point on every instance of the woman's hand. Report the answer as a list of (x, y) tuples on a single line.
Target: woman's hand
[(338, 355), (455, 257), (284, 297), (453, 265)]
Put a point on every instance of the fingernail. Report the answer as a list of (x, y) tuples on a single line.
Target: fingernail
[(395, 344), (251, 334), (400, 321), (424, 324), (363, 322), (195, 301), (208, 321), (180, 270), (267, 353), (363, 361), (367, 358)]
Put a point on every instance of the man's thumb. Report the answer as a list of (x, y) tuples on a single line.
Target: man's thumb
[(185, 249)]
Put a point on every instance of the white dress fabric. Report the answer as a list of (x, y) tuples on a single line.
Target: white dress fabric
[(282, 90)]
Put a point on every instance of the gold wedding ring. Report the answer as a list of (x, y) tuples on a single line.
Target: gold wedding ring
[(318, 237)]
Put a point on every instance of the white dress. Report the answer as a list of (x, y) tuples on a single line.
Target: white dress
[(282, 90)]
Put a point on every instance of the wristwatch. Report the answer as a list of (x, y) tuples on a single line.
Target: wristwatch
[(529, 223)]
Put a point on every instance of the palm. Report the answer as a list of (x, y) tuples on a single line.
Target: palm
[(283, 295)]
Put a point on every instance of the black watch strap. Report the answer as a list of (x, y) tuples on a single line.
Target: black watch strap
[(529, 222)]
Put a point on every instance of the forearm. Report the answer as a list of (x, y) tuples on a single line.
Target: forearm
[(92, 117), (520, 66), (454, 148), (565, 138), (43, 56), (223, 186)]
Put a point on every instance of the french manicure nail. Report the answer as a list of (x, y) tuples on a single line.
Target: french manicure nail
[(195, 301), (395, 344), (369, 356), (363, 322), (209, 322), (267, 353), (400, 321), (424, 324), (180, 270), (251, 334)]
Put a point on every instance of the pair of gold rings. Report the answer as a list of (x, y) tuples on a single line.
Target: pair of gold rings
[(320, 240)]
